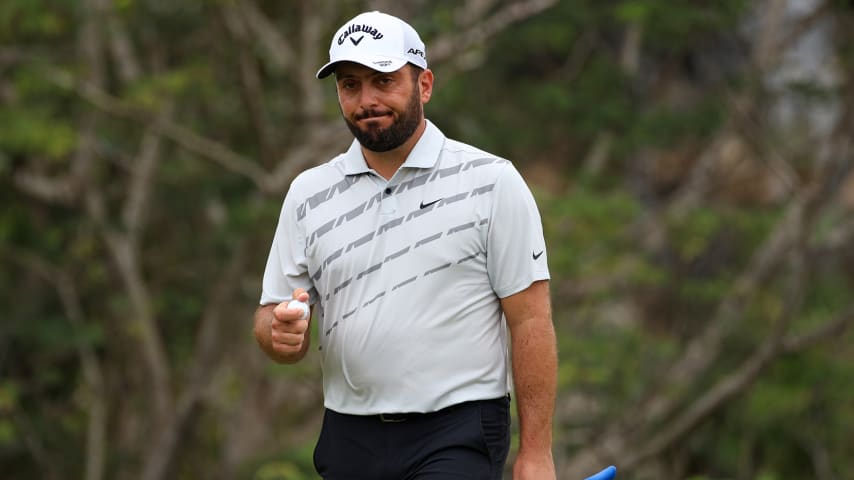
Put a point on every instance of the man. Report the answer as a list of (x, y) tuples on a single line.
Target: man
[(418, 254)]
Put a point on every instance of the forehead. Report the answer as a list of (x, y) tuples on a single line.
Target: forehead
[(351, 69)]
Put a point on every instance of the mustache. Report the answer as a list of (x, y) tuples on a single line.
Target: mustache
[(369, 114)]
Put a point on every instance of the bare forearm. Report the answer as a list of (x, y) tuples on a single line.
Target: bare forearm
[(534, 353), (263, 334)]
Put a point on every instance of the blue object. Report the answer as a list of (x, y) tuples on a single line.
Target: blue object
[(607, 474)]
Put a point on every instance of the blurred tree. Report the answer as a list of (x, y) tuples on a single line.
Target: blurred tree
[(692, 161)]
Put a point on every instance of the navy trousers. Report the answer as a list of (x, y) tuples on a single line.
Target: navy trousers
[(465, 441)]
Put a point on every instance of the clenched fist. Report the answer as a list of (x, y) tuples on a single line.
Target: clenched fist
[(282, 332), (288, 327)]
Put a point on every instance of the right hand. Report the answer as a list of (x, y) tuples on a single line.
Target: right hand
[(288, 328)]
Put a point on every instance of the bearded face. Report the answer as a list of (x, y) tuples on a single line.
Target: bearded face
[(382, 110), (379, 139)]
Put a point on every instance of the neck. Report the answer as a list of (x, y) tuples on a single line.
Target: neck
[(387, 163)]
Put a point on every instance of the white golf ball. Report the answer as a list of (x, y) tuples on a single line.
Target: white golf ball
[(304, 307)]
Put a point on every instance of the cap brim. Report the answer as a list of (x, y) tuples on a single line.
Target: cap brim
[(380, 64), (326, 70)]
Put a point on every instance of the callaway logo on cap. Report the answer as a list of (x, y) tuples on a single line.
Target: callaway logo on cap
[(375, 40)]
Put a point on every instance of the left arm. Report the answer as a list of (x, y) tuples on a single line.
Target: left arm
[(534, 357)]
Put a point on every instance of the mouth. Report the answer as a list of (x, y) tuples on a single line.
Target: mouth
[(370, 117)]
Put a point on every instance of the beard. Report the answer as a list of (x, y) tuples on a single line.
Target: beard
[(378, 139)]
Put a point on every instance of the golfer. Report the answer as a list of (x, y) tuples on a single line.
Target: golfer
[(424, 263)]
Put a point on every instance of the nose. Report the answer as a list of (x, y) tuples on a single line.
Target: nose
[(368, 98)]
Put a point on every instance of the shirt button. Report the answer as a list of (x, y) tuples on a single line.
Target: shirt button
[(388, 191)]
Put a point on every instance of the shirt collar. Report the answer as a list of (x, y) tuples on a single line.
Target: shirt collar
[(425, 154)]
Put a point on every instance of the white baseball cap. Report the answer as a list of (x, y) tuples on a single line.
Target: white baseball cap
[(378, 41)]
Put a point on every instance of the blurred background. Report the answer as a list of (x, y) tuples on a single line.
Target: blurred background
[(692, 161)]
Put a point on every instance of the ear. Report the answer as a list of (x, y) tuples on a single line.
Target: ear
[(425, 82)]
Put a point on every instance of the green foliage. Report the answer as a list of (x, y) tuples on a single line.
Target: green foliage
[(281, 471), (673, 25), (664, 127), (290, 465), (769, 405), (544, 91), (191, 81), (22, 20), (9, 402), (36, 131), (728, 235), (570, 95), (786, 411), (596, 225)]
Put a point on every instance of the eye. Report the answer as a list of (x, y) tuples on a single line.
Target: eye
[(348, 84)]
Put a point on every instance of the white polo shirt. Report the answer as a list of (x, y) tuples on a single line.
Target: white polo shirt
[(408, 273)]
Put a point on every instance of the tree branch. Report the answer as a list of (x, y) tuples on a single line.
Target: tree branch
[(831, 329), (203, 367), (788, 237), (704, 349), (450, 45), (62, 190), (252, 87), (192, 142), (277, 49), (121, 47), (141, 182), (65, 287), (741, 378), (312, 47)]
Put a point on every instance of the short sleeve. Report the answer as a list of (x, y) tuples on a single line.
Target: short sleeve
[(516, 249), (286, 267)]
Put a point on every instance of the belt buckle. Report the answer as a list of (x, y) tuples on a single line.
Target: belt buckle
[(392, 418)]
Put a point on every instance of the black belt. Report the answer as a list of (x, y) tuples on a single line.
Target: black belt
[(403, 417), (408, 416), (397, 417)]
